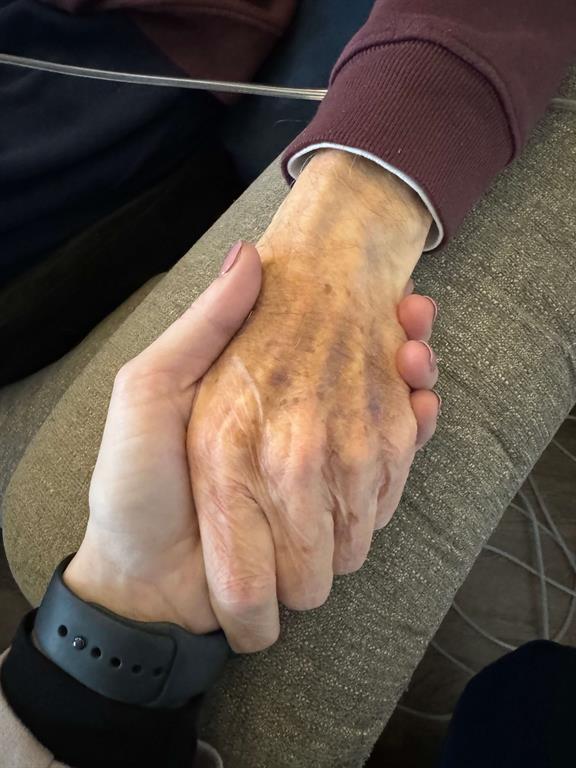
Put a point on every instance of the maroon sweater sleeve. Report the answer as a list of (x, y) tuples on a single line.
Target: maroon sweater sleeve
[(446, 91)]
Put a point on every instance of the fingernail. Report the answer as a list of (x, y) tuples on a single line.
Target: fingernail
[(431, 355), (431, 300), (231, 258), (439, 402)]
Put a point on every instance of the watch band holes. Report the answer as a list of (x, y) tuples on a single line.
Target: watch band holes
[(62, 630), (157, 672), (136, 669), (115, 662), (95, 653)]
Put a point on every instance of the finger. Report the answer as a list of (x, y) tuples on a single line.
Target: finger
[(417, 365), (426, 406), (409, 287), (391, 493), (240, 568), (354, 522), (416, 314), (190, 345), (354, 487), (304, 543)]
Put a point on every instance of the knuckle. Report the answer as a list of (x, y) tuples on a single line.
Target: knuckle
[(351, 553), (259, 639), (357, 457), (244, 595), (302, 539), (306, 599), (302, 461), (291, 471), (397, 448), (349, 564)]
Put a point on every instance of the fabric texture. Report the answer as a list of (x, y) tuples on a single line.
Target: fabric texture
[(502, 599), (223, 39), (505, 338), (447, 91), (26, 404)]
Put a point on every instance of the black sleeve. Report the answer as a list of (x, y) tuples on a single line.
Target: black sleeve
[(86, 730)]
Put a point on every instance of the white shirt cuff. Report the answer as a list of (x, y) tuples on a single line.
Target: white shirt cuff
[(299, 160)]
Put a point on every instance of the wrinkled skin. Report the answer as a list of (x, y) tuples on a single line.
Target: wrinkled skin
[(303, 432)]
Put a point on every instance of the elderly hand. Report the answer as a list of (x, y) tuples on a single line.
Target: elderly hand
[(303, 432)]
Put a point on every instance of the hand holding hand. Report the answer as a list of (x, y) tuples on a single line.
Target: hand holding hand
[(141, 556)]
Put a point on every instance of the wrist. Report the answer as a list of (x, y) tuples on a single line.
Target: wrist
[(346, 213), (378, 194), (142, 589), (95, 581)]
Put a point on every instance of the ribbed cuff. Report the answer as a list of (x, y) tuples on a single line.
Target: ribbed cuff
[(423, 110)]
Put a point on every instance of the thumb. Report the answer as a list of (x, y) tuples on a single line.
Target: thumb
[(187, 349)]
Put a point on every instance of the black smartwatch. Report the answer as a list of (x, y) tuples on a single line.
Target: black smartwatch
[(144, 663)]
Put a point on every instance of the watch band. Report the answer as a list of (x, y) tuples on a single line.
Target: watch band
[(150, 664)]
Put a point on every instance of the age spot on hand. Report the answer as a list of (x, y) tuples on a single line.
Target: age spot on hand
[(279, 378)]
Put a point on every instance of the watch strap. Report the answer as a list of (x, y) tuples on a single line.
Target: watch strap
[(145, 663)]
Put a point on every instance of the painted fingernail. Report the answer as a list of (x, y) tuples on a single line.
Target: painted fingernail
[(431, 355), (439, 402), (431, 300), (231, 258)]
